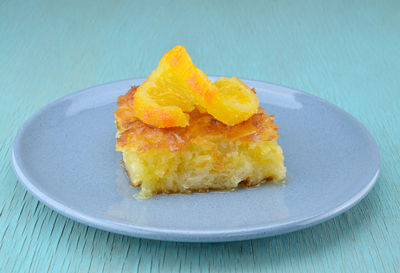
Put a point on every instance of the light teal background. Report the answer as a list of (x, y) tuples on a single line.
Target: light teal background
[(347, 52)]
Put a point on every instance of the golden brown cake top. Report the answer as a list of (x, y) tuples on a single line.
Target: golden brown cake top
[(133, 133)]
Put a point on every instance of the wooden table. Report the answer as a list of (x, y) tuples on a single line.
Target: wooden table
[(347, 52)]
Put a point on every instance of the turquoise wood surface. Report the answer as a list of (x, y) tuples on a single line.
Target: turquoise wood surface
[(347, 52)]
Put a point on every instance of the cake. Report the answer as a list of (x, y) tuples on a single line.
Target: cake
[(180, 133)]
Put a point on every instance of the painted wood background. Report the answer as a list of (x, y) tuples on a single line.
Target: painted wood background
[(347, 52)]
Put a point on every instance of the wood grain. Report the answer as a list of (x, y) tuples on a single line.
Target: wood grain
[(347, 52)]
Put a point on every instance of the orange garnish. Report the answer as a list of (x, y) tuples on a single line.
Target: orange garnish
[(177, 87)]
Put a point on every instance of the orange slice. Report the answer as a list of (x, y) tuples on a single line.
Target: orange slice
[(177, 87), (164, 98), (235, 102)]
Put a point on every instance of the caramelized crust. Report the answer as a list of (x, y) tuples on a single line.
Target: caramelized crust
[(133, 133)]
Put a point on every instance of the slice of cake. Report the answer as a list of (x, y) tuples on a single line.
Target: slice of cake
[(179, 132)]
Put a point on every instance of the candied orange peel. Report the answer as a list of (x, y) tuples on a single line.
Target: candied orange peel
[(177, 87)]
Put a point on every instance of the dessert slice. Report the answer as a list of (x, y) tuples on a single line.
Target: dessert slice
[(179, 132)]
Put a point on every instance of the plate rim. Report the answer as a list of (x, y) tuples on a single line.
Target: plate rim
[(187, 235)]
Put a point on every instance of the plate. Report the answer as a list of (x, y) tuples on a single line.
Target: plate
[(65, 156)]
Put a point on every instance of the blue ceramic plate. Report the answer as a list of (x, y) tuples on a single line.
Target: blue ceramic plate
[(64, 155)]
